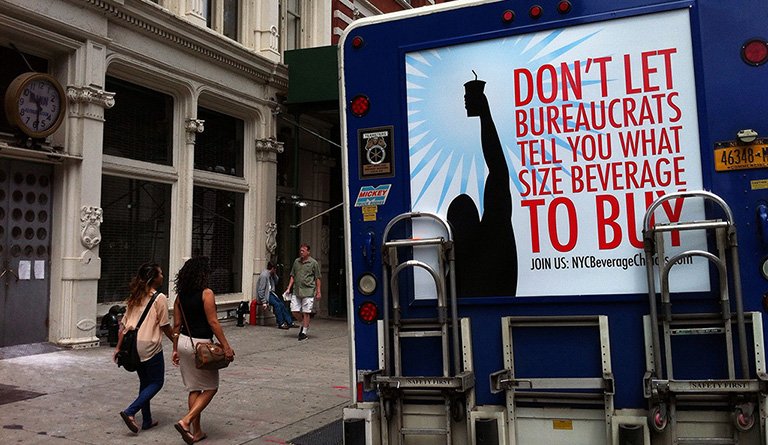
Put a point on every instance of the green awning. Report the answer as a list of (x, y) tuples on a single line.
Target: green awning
[(313, 76)]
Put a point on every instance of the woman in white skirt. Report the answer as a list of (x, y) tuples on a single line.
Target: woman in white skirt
[(195, 320)]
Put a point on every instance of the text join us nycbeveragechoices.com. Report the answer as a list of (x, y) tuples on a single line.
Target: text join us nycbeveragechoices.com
[(594, 262)]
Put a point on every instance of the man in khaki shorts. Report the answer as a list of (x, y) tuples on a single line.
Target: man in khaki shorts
[(305, 273)]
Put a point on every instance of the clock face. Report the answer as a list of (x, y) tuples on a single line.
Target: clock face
[(39, 105), (35, 104)]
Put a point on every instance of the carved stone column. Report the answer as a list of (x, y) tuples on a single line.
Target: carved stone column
[(192, 127), (194, 12), (76, 266), (90, 95), (181, 236), (266, 36), (87, 103), (268, 149), (90, 224), (265, 193)]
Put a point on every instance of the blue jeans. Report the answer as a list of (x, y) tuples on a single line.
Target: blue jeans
[(281, 312), (151, 379)]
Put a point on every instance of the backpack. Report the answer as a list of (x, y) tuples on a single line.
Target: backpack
[(128, 356)]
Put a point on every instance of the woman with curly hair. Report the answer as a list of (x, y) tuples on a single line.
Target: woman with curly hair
[(149, 342), (195, 320)]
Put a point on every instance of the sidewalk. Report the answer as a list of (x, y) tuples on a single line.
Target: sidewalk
[(277, 389)]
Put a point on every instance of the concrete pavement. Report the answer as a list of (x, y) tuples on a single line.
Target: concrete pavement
[(277, 389)]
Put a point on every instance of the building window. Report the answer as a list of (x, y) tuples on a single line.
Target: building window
[(136, 229), (290, 24), (231, 15), (223, 16), (220, 147), (217, 227), (286, 161), (208, 13), (140, 125)]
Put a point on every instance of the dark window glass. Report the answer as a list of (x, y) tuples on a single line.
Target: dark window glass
[(290, 24), (136, 229), (13, 65), (286, 161), (230, 18), (293, 25), (140, 125), (286, 214), (217, 227), (208, 13), (220, 147)]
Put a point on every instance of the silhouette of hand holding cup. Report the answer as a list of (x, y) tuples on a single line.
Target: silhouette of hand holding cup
[(474, 98)]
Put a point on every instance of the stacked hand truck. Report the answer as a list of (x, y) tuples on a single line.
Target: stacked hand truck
[(742, 392)]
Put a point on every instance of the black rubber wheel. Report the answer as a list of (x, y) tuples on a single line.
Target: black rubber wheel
[(389, 408), (742, 421), (656, 421)]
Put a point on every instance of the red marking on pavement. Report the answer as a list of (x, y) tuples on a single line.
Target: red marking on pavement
[(274, 440), (341, 387)]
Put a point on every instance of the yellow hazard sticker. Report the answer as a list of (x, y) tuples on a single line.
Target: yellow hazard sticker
[(369, 213), (562, 424), (759, 184)]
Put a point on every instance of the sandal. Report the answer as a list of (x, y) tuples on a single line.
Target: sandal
[(130, 422), (185, 434)]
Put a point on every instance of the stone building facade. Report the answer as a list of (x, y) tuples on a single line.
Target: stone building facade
[(175, 141), (168, 149)]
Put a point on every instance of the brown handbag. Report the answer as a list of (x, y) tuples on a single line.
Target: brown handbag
[(208, 356)]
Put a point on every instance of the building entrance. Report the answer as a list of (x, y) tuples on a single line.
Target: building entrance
[(25, 228)]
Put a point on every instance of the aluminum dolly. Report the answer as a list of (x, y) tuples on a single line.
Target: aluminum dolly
[(552, 391), (453, 386), (741, 392)]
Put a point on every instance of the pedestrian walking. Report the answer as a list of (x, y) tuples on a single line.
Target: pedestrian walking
[(195, 321), (305, 275), (265, 294), (144, 295)]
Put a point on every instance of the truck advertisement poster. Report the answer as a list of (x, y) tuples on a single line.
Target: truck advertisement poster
[(543, 151)]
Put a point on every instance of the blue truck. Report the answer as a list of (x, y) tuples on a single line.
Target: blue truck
[(557, 222)]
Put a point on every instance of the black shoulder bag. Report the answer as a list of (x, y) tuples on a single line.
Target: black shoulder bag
[(128, 356)]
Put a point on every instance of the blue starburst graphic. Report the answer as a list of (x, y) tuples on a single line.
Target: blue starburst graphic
[(444, 144)]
